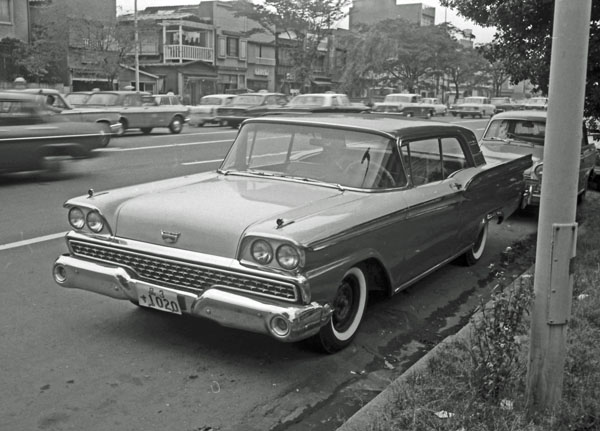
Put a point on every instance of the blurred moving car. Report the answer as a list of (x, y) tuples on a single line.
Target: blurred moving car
[(206, 111), (142, 110), (539, 103), (408, 104), (57, 102), (440, 108), (474, 106), (33, 137), (522, 132), (304, 219), (248, 105)]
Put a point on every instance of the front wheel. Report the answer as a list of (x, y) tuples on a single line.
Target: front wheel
[(176, 125), (472, 256), (348, 310)]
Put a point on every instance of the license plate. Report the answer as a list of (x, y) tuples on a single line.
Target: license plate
[(158, 299)]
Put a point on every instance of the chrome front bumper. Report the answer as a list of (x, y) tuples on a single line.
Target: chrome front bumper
[(289, 323)]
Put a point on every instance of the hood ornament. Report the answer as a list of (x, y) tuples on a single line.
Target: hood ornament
[(170, 237)]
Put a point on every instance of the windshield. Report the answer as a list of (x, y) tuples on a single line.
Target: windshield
[(330, 155), (521, 130), (102, 99), (212, 101), (247, 99), (474, 100), (77, 99), (307, 100)]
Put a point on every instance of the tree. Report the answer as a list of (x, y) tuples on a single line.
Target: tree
[(305, 22), (12, 52), (399, 53), (523, 40)]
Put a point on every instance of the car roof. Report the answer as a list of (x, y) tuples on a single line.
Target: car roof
[(224, 96), (534, 115), (41, 90), (390, 124), (18, 95), (260, 94)]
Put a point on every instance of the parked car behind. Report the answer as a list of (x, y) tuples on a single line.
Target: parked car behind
[(523, 132), (35, 138), (303, 220), (57, 102), (206, 111), (78, 98), (248, 105), (137, 113), (504, 104)]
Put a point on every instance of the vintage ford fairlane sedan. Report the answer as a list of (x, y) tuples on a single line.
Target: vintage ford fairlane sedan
[(304, 218), (523, 132), (35, 138)]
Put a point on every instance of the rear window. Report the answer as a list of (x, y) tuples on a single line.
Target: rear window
[(522, 129)]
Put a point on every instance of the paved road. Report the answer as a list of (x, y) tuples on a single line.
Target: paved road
[(74, 360)]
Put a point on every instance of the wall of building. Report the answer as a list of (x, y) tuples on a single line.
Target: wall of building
[(16, 25), (372, 11)]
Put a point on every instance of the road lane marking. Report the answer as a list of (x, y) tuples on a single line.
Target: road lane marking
[(32, 241), (186, 144), (203, 161)]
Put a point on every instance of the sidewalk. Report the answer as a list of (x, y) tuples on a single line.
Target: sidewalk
[(366, 418)]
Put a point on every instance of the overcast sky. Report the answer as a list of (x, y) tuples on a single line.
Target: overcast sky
[(482, 34)]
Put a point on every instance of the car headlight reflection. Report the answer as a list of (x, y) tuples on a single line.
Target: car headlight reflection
[(262, 252), (76, 218), (538, 171), (95, 221), (288, 256)]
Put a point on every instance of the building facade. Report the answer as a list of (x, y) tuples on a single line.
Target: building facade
[(14, 19), (372, 11)]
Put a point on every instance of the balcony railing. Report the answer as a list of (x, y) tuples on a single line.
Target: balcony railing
[(188, 52)]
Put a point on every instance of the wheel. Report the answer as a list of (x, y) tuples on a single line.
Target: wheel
[(409, 114), (106, 135), (581, 196), (462, 116), (51, 164), (429, 114), (453, 114), (472, 256), (146, 130), (123, 128), (176, 125), (222, 123), (348, 310), (200, 124)]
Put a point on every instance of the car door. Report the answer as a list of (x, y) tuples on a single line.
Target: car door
[(434, 205), (133, 110)]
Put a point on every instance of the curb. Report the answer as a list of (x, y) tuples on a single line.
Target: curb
[(368, 416)]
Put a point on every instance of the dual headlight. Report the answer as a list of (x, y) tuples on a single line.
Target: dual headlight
[(79, 219), (287, 256)]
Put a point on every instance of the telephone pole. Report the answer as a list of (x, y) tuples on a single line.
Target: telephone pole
[(557, 230)]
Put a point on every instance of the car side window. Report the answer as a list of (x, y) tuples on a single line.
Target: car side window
[(434, 159)]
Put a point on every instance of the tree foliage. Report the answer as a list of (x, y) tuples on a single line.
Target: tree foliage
[(523, 40), (306, 23)]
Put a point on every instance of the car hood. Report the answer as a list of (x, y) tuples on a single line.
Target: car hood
[(212, 215)]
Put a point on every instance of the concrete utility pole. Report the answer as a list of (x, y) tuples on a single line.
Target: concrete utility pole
[(557, 230), (137, 48)]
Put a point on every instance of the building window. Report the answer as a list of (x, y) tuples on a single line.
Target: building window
[(5, 10), (233, 44)]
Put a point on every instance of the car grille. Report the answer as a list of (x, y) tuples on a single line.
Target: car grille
[(181, 274)]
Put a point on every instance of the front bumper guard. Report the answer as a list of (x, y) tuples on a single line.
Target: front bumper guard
[(288, 323)]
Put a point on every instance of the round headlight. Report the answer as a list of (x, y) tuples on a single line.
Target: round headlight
[(95, 221), (262, 252), (76, 218), (288, 256), (538, 170)]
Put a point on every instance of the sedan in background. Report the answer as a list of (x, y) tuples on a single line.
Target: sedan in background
[(248, 105), (36, 138), (206, 111)]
